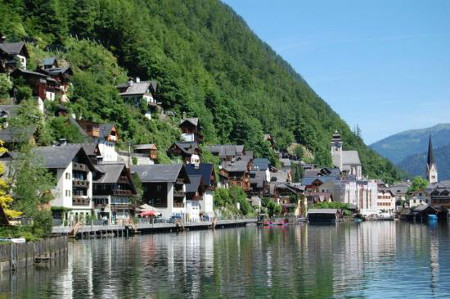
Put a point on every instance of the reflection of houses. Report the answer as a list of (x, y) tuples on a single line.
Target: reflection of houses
[(11, 54), (113, 191), (139, 92), (164, 187), (191, 130), (105, 135), (185, 150), (73, 171), (202, 189)]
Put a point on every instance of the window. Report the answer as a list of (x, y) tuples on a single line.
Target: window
[(67, 175), (67, 192)]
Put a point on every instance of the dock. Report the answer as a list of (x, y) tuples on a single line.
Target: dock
[(126, 230)]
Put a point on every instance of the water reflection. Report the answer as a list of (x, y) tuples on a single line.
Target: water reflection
[(379, 259)]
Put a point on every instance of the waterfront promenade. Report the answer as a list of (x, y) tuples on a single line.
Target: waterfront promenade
[(142, 227)]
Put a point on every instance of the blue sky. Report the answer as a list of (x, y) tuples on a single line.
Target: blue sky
[(383, 65)]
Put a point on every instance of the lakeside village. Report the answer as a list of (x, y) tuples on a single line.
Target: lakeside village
[(95, 180)]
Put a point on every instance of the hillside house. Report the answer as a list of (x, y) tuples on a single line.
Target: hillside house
[(61, 75), (236, 172), (226, 152), (12, 56), (164, 187), (150, 150), (105, 135), (191, 130), (186, 150), (113, 192), (73, 171), (137, 92)]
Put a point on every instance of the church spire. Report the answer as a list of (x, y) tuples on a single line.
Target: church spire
[(430, 159), (432, 173)]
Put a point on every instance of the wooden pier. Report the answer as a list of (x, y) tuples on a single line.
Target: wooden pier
[(126, 230)]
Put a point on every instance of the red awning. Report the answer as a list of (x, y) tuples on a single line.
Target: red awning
[(148, 213)]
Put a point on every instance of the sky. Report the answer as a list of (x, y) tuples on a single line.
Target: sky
[(382, 65)]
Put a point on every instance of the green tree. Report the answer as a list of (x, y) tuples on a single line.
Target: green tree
[(418, 183)]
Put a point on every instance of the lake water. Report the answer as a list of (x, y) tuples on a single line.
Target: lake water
[(371, 259)]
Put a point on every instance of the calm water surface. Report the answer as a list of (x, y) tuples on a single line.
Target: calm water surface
[(374, 259)]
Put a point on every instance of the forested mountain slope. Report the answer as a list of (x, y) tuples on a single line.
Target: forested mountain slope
[(208, 63), (416, 164), (402, 145)]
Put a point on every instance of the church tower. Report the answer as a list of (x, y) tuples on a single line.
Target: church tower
[(432, 174), (336, 149)]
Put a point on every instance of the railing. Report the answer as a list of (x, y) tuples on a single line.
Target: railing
[(178, 204), (80, 183), (80, 201), (122, 192)]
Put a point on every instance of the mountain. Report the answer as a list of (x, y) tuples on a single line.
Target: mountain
[(416, 164), (398, 147), (206, 60)]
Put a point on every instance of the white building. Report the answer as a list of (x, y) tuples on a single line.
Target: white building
[(73, 172), (136, 92), (346, 161), (202, 187), (385, 200), (361, 193)]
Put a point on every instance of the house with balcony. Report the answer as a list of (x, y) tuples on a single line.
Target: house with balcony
[(185, 150), (60, 74), (201, 188), (73, 172), (191, 130), (138, 92), (146, 153), (164, 187), (237, 172), (104, 135), (226, 152), (12, 55), (113, 192)]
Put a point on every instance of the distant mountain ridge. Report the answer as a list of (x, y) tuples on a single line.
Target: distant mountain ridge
[(416, 164), (400, 146)]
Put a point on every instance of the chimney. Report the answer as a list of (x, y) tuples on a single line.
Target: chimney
[(62, 141), (138, 79)]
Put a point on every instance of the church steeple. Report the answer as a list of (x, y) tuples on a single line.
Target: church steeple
[(432, 173)]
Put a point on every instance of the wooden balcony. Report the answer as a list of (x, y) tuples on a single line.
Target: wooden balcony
[(80, 183), (81, 201), (122, 193)]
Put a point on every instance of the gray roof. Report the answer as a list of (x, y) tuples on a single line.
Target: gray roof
[(422, 208), (204, 169), (138, 88), (157, 173), (56, 71), (49, 61), (187, 147), (111, 172), (350, 158), (59, 157), (150, 146), (105, 130), (12, 48), (240, 164), (261, 163), (14, 134), (194, 184), (226, 150), (8, 109), (322, 211), (323, 179), (193, 121), (89, 148)]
